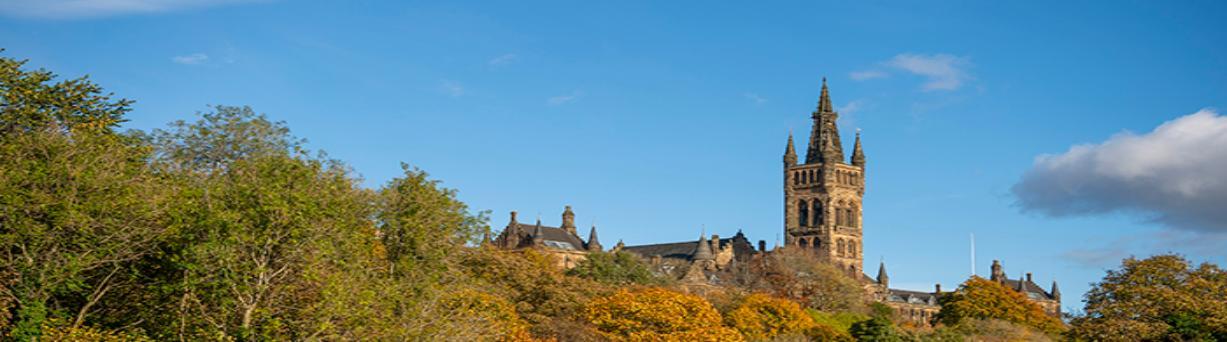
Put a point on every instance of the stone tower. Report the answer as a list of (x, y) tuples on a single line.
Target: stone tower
[(822, 197)]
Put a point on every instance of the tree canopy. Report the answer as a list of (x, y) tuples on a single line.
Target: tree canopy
[(1163, 297)]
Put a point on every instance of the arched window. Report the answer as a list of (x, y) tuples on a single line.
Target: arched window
[(839, 215), (818, 213), (851, 248), (840, 247), (811, 176), (796, 178), (803, 218)]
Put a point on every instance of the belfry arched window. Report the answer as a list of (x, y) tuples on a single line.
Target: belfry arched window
[(818, 213), (853, 216), (803, 211)]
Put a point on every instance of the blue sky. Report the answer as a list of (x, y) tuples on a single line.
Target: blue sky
[(656, 119)]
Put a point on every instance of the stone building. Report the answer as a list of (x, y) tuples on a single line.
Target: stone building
[(562, 242), (695, 261), (822, 196)]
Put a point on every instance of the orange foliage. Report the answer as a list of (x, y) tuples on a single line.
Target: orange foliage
[(980, 298), (490, 312), (761, 316), (655, 314)]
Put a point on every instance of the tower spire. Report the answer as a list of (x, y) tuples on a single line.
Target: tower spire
[(824, 145), (858, 156), (703, 250), (1056, 293), (790, 152)]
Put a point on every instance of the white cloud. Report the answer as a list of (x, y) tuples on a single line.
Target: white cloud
[(851, 107), (754, 97), (504, 59), (70, 9), (452, 88), (867, 75), (943, 71), (1175, 175), (564, 99), (192, 59)]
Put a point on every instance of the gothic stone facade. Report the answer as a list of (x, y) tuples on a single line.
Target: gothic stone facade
[(822, 197)]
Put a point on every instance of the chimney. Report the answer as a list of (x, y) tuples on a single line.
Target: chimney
[(937, 288), (513, 216), (715, 242), (762, 245), (1028, 277)]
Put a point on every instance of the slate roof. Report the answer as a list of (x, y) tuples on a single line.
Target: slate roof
[(553, 234), (675, 250), (913, 297), (1032, 290)]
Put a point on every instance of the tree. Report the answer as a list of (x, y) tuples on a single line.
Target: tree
[(655, 314), (760, 316), (803, 277), (77, 204), (32, 101), (1158, 298), (615, 268), (421, 224), (980, 298)]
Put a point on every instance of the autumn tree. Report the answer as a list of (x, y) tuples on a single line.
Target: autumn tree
[(615, 268), (33, 100), (655, 314), (803, 277), (1163, 297), (759, 317), (983, 299)]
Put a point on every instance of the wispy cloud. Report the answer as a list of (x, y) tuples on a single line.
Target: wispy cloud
[(851, 107), (192, 59), (1172, 176), (73, 9), (564, 99), (452, 88), (942, 71), (503, 60), (867, 75), (755, 98)]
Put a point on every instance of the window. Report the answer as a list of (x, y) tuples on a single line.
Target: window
[(840, 250), (803, 218), (817, 212)]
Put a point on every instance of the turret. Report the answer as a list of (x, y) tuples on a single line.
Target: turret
[(568, 221), (998, 275), (593, 244), (511, 236), (790, 153), (538, 234), (858, 156), (883, 279), (1056, 293), (1021, 285), (702, 252)]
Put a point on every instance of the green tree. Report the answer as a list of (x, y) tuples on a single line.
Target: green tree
[(78, 204), (258, 223), (1162, 297), (423, 224), (615, 268), (983, 299)]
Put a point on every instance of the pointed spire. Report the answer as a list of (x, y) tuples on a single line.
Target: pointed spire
[(824, 145), (538, 234), (703, 250), (790, 152), (1056, 293), (882, 277), (1021, 284), (593, 243), (824, 100), (858, 156)]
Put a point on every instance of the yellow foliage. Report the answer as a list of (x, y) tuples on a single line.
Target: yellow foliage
[(761, 317), (54, 332), (980, 298), (489, 312), (655, 314)]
